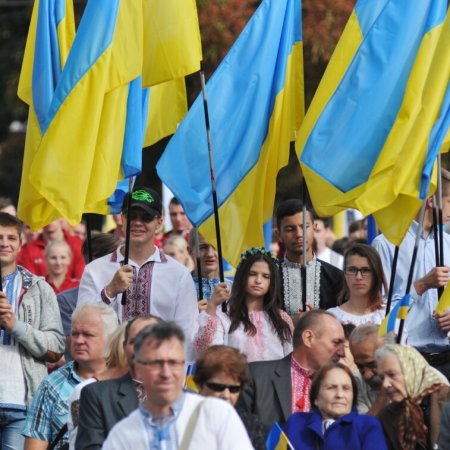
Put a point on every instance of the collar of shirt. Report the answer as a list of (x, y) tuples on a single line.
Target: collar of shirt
[(299, 369), (157, 256)]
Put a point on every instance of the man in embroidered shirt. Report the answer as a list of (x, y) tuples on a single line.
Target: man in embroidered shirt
[(155, 283), (30, 334), (170, 418), (209, 267), (280, 388), (92, 325), (323, 281), (427, 331), (104, 404)]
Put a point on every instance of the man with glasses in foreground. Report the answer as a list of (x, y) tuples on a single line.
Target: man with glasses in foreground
[(154, 282), (171, 418)]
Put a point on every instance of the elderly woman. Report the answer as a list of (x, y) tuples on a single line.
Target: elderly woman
[(334, 422), (417, 392), (222, 372)]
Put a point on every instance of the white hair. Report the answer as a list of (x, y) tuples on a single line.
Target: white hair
[(109, 317)]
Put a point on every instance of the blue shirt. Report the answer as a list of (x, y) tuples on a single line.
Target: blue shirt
[(423, 330), (50, 407), (208, 285)]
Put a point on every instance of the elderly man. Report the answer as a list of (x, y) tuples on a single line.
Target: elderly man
[(30, 334), (104, 404), (280, 388), (170, 414), (92, 325)]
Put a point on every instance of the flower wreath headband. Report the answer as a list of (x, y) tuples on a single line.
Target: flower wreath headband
[(254, 251)]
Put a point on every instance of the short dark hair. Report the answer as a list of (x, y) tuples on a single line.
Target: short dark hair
[(310, 320), (174, 201), (221, 359), (102, 244), (348, 329), (158, 332), (131, 321), (445, 182), (9, 221), (290, 208), (5, 202), (320, 375)]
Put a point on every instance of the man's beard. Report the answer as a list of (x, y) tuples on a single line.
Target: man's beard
[(375, 382)]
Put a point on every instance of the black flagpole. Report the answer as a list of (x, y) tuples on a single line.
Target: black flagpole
[(305, 243), (411, 269), (89, 236), (199, 268), (436, 241), (441, 225), (127, 234), (392, 280), (213, 179)]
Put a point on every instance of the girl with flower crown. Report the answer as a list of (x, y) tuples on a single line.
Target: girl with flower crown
[(253, 322)]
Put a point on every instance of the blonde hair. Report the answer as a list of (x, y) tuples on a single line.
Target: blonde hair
[(181, 244), (114, 353)]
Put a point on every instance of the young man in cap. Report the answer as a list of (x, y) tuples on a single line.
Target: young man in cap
[(154, 282)]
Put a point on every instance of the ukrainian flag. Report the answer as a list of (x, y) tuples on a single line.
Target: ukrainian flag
[(256, 103), (444, 301), (277, 439), (79, 159), (365, 139), (400, 311), (50, 37)]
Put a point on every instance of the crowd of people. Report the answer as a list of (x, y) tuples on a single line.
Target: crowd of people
[(96, 354)]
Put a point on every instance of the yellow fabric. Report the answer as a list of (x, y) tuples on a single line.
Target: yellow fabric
[(172, 44), (78, 163), (393, 187), (167, 107), (444, 301), (251, 205)]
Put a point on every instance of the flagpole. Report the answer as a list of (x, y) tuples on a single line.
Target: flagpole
[(89, 236), (413, 263), (436, 241), (213, 179), (127, 234), (441, 225), (199, 268), (392, 280), (305, 243)]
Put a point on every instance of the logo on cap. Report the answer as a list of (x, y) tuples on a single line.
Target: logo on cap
[(142, 196)]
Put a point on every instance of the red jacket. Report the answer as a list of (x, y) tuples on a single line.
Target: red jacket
[(32, 257)]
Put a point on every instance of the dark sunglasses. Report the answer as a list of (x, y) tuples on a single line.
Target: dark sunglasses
[(146, 218), (216, 387)]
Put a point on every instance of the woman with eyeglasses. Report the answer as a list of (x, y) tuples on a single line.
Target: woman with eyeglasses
[(222, 372), (361, 300), (253, 322)]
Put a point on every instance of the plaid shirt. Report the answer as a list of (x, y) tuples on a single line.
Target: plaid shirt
[(50, 407)]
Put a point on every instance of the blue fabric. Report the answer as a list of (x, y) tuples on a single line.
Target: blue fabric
[(423, 330), (11, 423), (8, 287), (348, 432), (50, 407)]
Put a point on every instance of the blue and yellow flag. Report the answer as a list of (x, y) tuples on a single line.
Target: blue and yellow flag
[(189, 381), (172, 44), (256, 105), (364, 141), (444, 301), (400, 311), (78, 162), (277, 439), (50, 37)]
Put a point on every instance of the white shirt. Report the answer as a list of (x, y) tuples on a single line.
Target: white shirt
[(344, 317), (331, 257), (218, 427), (172, 293)]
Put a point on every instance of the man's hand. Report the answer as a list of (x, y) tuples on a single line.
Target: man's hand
[(121, 281), (443, 320), (7, 318), (221, 294), (296, 318), (435, 278), (202, 304)]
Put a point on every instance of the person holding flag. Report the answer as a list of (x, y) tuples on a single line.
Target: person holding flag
[(427, 330)]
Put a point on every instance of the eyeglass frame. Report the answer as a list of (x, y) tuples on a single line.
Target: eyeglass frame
[(369, 271), (220, 387), (157, 365)]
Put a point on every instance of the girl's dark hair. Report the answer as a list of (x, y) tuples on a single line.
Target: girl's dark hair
[(319, 377), (378, 278), (238, 311)]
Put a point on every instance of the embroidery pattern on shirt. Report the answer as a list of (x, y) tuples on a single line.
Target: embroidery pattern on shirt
[(301, 386)]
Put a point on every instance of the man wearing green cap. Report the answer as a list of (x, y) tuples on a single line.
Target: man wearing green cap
[(154, 282)]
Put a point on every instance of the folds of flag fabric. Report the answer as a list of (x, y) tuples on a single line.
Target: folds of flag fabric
[(50, 37), (277, 439), (189, 382), (255, 100), (79, 159), (364, 141), (400, 311), (444, 301), (172, 44)]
